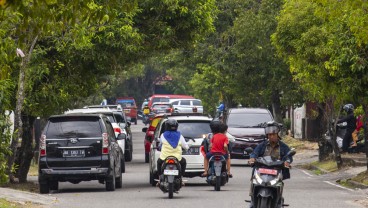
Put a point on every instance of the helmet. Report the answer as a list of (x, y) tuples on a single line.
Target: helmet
[(171, 125), (272, 128), (348, 108), (215, 126)]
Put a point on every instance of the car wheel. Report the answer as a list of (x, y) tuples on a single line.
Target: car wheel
[(129, 154), (122, 164), (110, 182), (146, 157), (152, 179), (119, 181), (54, 185), (44, 188)]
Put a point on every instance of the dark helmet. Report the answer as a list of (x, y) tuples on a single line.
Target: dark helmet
[(272, 128), (171, 125), (348, 108), (215, 126)]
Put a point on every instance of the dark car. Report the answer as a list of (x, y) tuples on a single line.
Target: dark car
[(79, 147), (245, 130)]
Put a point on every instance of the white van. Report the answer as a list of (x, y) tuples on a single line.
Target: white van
[(187, 105)]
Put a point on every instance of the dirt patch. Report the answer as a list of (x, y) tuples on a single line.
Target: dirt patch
[(361, 178), (29, 186), (299, 144), (9, 204)]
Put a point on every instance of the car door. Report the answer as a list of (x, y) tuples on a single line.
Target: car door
[(114, 147)]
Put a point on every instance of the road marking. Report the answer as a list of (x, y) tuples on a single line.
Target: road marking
[(306, 173), (338, 185)]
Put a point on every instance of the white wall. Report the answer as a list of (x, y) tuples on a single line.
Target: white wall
[(299, 114)]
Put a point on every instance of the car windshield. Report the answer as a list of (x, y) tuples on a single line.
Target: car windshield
[(247, 120), (194, 129), (80, 127)]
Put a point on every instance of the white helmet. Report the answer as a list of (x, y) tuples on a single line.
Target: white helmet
[(272, 128)]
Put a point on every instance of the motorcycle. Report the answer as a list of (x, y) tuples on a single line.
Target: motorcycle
[(170, 179), (340, 133), (217, 173), (266, 184)]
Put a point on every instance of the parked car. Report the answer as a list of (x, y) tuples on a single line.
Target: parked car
[(79, 147), (244, 129), (148, 138), (129, 107), (187, 105), (194, 129), (161, 107), (126, 144)]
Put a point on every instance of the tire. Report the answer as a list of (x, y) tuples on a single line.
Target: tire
[(44, 188), (119, 182), (171, 190), (146, 157), (264, 202), (135, 121), (152, 179), (218, 183), (110, 182), (54, 185), (129, 154), (122, 165)]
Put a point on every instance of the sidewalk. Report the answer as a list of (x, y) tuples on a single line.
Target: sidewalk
[(23, 197)]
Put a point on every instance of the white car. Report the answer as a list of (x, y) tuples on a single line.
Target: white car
[(187, 105), (194, 129)]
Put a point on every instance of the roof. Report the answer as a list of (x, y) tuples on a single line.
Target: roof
[(75, 115), (89, 110), (190, 117), (248, 110), (111, 107)]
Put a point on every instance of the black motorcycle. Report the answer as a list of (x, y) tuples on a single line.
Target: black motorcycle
[(217, 172), (170, 179), (266, 184)]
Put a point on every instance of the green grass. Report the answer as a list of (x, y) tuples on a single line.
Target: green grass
[(329, 165), (361, 178), (6, 204)]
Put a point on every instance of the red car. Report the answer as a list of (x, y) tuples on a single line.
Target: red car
[(129, 107), (149, 135)]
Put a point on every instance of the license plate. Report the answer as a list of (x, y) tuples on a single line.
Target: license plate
[(171, 172), (267, 171), (191, 151), (73, 153)]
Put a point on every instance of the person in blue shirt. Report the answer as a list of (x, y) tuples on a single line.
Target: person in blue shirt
[(220, 110)]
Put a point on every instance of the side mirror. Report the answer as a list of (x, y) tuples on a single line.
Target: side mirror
[(249, 150), (292, 152), (144, 129), (121, 136)]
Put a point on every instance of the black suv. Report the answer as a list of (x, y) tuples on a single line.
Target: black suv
[(79, 147), (245, 129)]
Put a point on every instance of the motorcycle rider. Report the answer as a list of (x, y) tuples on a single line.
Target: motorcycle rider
[(350, 127), (218, 143), (171, 143), (272, 147), (146, 112)]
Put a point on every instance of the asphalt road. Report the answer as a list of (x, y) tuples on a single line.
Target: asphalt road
[(304, 190)]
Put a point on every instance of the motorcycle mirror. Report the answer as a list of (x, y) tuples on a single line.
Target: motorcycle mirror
[(249, 150), (292, 152)]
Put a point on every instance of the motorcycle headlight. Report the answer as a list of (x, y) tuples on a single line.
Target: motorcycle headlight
[(277, 179), (258, 178)]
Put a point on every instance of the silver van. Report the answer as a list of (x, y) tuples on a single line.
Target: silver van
[(187, 105)]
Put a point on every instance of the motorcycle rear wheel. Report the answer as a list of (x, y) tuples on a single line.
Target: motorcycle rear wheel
[(218, 183), (171, 190)]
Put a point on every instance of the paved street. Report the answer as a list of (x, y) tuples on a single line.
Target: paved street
[(302, 191)]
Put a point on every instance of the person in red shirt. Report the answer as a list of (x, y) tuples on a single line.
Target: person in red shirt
[(219, 144), (359, 125)]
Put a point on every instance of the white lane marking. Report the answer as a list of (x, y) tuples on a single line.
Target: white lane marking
[(338, 185), (306, 173)]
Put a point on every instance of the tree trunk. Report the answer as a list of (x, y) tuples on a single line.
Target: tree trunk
[(323, 151), (18, 125), (276, 106), (26, 151)]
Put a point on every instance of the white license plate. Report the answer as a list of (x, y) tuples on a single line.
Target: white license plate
[(74, 153), (171, 172)]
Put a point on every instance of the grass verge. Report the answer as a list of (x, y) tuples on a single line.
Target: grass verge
[(8, 204), (29, 186), (361, 178)]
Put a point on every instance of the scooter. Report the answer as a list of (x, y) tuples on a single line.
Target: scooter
[(340, 133), (170, 179), (266, 183), (217, 173)]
